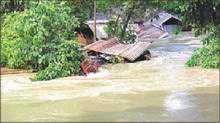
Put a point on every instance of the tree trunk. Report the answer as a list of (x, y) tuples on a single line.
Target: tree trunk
[(115, 26), (94, 2), (126, 24)]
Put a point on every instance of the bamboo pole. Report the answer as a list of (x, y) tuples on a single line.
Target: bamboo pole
[(94, 3)]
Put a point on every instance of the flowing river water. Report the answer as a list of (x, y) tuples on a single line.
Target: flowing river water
[(161, 89)]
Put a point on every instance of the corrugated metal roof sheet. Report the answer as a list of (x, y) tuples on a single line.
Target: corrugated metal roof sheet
[(113, 47), (150, 33)]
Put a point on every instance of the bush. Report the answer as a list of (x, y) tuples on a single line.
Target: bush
[(67, 62), (204, 57), (42, 38), (116, 59), (208, 56)]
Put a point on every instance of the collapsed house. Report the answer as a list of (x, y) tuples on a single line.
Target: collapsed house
[(112, 47), (103, 50)]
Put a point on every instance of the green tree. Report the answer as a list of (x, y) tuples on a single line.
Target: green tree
[(41, 37)]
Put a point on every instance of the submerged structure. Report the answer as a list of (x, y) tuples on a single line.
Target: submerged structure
[(112, 47), (166, 22), (103, 51)]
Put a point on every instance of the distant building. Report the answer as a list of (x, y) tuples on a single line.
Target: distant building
[(166, 22)]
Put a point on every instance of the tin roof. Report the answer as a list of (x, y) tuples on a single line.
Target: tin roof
[(113, 47)]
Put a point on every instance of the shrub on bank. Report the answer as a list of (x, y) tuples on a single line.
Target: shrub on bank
[(207, 56), (42, 39)]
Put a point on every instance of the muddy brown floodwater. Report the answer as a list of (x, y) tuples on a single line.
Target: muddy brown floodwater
[(162, 89)]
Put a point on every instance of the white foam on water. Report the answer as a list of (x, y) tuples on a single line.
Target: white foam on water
[(53, 96), (101, 73), (177, 101), (9, 86), (113, 88), (90, 92)]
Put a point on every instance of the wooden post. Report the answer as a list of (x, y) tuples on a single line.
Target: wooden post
[(94, 3)]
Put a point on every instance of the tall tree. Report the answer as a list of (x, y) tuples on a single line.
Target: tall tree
[(94, 7)]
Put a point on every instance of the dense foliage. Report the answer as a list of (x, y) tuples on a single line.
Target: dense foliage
[(66, 62), (207, 56), (42, 39), (82, 9)]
